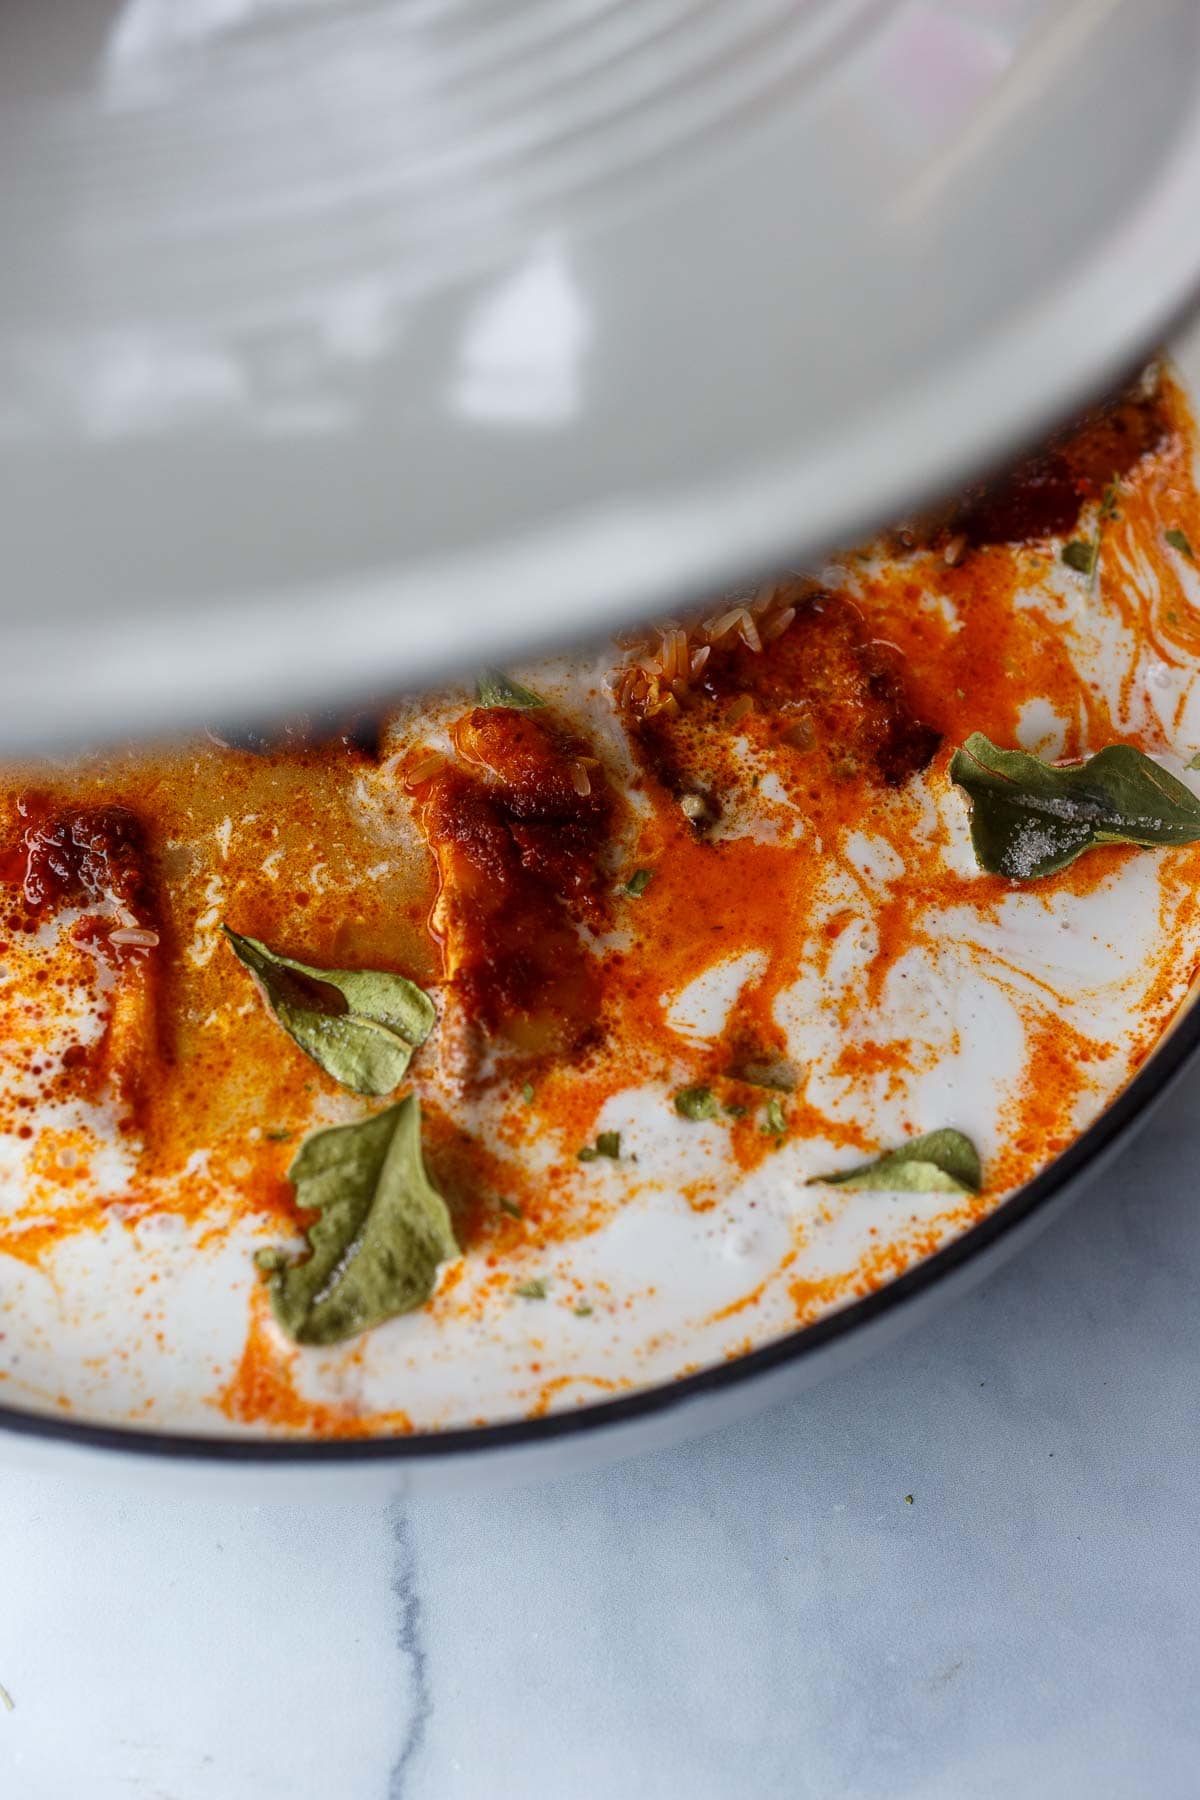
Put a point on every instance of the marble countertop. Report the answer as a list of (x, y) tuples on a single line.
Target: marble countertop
[(759, 1613)]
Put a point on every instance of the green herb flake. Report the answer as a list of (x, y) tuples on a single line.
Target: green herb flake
[(1178, 540), (735, 1110), (1085, 557), (381, 1234), (774, 1119), (608, 1143), (583, 1310), (908, 1499), (1195, 762), (1030, 818), (279, 1137), (360, 1025), (696, 1103), (939, 1162), (510, 1207), (638, 882), (527, 1093), (1080, 556), (495, 688), (532, 1290)]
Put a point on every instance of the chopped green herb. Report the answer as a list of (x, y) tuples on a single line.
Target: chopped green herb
[(696, 1103), (1195, 762), (638, 882), (1085, 557), (279, 1137), (510, 1207), (1030, 818), (495, 688), (269, 1258), (908, 1499), (360, 1025), (532, 1290), (1178, 540), (583, 1310), (608, 1143), (1172, 616), (774, 1119), (527, 1093), (736, 1111), (382, 1232), (939, 1162), (1080, 556)]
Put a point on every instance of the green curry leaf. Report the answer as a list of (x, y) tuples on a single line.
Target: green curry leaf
[(940, 1162), (382, 1231), (495, 688), (360, 1025), (1029, 818)]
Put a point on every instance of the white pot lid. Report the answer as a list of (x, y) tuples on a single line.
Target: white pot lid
[(343, 342)]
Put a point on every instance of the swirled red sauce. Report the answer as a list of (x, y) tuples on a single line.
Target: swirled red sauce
[(518, 828)]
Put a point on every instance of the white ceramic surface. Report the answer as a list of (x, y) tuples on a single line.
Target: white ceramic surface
[(759, 1616), (338, 340)]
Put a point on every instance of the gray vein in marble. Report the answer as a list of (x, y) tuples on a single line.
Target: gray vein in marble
[(410, 1641)]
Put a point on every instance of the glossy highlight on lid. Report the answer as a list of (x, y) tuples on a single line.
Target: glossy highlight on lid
[(538, 306)]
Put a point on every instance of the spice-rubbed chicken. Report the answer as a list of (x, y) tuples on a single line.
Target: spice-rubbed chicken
[(94, 859), (825, 689), (518, 827)]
